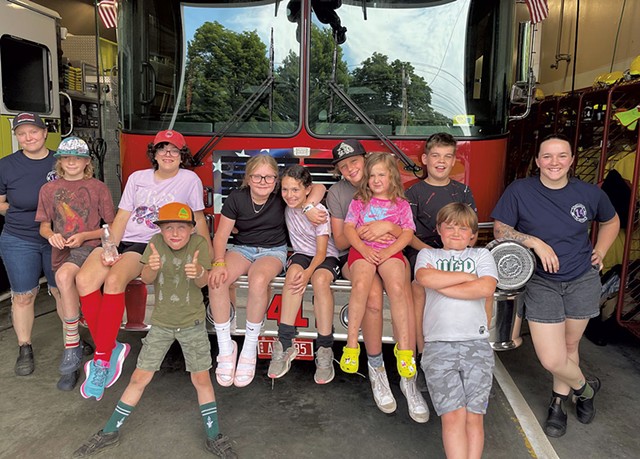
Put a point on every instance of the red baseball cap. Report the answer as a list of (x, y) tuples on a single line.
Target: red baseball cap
[(173, 137)]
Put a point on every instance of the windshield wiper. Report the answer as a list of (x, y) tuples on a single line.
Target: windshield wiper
[(409, 165), (242, 111)]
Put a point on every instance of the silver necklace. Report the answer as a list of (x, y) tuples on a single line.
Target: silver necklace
[(254, 205)]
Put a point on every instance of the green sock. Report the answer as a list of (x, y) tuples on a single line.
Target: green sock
[(585, 392), (209, 413), (120, 414)]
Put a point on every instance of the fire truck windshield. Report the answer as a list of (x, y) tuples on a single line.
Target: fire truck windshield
[(413, 67)]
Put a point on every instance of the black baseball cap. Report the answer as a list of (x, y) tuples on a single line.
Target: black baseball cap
[(346, 149), (28, 118)]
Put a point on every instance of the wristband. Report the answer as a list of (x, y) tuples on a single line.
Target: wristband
[(218, 263), (307, 208), (201, 274)]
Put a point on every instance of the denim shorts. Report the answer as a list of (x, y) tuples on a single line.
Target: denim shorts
[(194, 342), (25, 260), (548, 301), (459, 374), (253, 253)]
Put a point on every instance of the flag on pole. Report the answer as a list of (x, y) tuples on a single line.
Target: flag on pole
[(538, 9), (108, 11)]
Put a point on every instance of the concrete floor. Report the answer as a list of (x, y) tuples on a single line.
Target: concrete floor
[(296, 418)]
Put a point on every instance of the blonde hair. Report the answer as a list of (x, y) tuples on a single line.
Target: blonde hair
[(88, 169), (389, 161), (254, 163), (458, 213)]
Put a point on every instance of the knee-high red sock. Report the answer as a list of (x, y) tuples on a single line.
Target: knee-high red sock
[(90, 305), (109, 320)]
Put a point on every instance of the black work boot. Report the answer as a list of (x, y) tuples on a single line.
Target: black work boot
[(556, 424), (25, 364), (585, 410)]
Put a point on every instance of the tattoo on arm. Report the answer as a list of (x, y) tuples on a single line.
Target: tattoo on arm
[(504, 231)]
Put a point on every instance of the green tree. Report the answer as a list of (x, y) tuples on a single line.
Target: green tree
[(396, 96), (223, 67)]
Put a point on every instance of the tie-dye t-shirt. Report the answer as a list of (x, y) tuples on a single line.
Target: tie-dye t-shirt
[(397, 212)]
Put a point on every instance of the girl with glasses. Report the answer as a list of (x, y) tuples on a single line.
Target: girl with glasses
[(256, 211), (146, 191)]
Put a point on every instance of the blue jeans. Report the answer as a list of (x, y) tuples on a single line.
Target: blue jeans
[(25, 261), (253, 253)]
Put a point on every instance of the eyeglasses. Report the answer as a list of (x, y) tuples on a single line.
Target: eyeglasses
[(268, 179), (168, 152)]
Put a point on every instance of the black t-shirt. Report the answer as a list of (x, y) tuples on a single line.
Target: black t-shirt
[(257, 225)]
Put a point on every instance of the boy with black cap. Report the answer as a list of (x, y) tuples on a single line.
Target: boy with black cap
[(175, 262)]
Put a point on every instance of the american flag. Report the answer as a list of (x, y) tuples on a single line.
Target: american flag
[(108, 11), (538, 9)]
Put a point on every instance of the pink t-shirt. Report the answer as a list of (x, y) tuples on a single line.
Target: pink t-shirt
[(144, 195), (397, 212)]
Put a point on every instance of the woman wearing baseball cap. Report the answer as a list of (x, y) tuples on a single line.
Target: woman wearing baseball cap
[(24, 252), (145, 192)]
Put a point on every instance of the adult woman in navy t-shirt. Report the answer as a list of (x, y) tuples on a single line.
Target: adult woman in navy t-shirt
[(552, 214), (24, 252)]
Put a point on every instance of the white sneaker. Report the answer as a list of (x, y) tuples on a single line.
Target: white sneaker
[(381, 390), (418, 408)]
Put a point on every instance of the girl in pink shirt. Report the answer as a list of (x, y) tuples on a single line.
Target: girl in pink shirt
[(380, 196)]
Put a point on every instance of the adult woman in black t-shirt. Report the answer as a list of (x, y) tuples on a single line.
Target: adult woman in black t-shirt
[(256, 211)]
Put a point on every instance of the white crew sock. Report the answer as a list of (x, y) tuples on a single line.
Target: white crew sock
[(250, 348), (223, 333)]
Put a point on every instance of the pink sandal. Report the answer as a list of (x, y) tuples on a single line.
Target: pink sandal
[(225, 374), (245, 372)]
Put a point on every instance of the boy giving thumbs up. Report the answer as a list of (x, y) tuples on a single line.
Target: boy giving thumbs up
[(176, 262)]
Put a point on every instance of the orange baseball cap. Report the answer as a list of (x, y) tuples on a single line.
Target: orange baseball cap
[(175, 212)]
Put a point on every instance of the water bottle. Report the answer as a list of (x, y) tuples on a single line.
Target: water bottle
[(110, 250)]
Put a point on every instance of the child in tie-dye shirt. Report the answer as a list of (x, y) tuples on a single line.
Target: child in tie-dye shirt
[(379, 197)]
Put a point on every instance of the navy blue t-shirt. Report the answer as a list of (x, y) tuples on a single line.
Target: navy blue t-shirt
[(20, 180), (561, 218)]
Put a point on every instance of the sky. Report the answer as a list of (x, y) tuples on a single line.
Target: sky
[(431, 39)]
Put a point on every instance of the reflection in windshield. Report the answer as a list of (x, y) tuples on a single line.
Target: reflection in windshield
[(228, 59), (405, 67), (414, 67)]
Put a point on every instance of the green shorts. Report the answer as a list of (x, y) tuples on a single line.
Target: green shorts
[(194, 342)]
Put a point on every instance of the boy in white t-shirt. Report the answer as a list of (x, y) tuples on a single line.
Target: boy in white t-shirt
[(458, 360)]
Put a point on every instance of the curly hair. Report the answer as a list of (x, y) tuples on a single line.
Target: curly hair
[(299, 173), (186, 159), (395, 183)]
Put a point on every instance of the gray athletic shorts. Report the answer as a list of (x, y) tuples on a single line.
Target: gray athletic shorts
[(459, 374), (551, 302), (194, 342)]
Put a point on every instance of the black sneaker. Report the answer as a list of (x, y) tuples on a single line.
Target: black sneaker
[(25, 364), (98, 443), (221, 447), (87, 348), (556, 424), (68, 382), (585, 410)]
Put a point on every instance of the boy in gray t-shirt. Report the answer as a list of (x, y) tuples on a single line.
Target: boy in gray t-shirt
[(458, 360)]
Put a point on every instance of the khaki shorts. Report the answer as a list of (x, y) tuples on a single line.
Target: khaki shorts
[(194, 342)]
